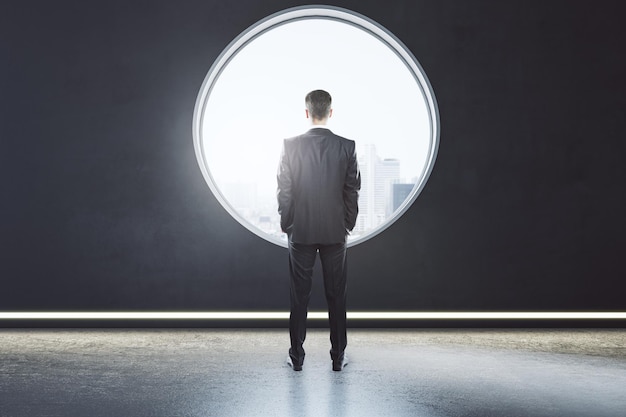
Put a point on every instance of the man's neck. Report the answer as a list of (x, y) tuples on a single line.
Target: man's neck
[(318, 123)]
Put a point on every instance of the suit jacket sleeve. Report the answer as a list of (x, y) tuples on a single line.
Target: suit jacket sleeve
[(284, 192), (352, 185)]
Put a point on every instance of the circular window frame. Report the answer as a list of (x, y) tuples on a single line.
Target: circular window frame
[(307, 13)]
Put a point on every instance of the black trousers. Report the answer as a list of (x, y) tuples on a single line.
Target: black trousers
[(334, 268)]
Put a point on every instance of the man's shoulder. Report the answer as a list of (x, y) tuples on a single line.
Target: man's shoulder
[(292, 142), (345, 142), (293, 138), (296, 140), (324, 132)]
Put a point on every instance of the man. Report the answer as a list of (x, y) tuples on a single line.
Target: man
[(318, 191)]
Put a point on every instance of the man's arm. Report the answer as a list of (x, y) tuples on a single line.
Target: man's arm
[(284, 191), (351, 187)]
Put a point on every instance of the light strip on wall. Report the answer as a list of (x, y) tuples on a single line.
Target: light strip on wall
[(312, 315)]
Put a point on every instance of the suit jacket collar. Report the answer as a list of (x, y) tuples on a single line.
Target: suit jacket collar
[(318, 127)]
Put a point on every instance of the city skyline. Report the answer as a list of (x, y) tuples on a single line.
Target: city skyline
[(377, 199)]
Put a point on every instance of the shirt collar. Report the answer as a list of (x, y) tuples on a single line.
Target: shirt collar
[(318, 127)]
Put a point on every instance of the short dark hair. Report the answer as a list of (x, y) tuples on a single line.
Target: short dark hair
[(318, 104)]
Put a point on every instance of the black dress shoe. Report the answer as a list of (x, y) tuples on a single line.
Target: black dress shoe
[(340, 363), (294, 366)]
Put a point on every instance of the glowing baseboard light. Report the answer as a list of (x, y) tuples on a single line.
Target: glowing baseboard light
[(312, 315)]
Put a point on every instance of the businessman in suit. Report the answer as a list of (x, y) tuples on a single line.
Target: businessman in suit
[(318, 190)]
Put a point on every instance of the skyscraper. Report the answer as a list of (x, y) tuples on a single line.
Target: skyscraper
[(375, 198), (400, 192)]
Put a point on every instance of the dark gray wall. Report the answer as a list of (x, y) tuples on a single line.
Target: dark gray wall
[(104, 207)]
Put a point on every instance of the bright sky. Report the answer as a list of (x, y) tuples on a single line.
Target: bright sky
[(258, 100)]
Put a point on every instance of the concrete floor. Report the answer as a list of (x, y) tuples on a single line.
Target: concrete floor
[(417, 373)]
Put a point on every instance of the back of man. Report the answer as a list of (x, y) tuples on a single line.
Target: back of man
[(318, 211), (318, 189)]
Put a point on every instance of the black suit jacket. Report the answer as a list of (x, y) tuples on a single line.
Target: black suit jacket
[(318, 187)]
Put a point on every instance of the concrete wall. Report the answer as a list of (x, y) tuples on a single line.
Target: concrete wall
[(103, 206)]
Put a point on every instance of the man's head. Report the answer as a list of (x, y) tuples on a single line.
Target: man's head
[(318, 105)]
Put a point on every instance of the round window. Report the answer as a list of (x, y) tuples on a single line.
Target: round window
[(253, 97)]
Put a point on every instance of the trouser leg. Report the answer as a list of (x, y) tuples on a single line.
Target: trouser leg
[(301, 261), (334, 267)]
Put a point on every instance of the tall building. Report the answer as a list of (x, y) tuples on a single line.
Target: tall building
[(387, 173), (400, 192), (377, 178)]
